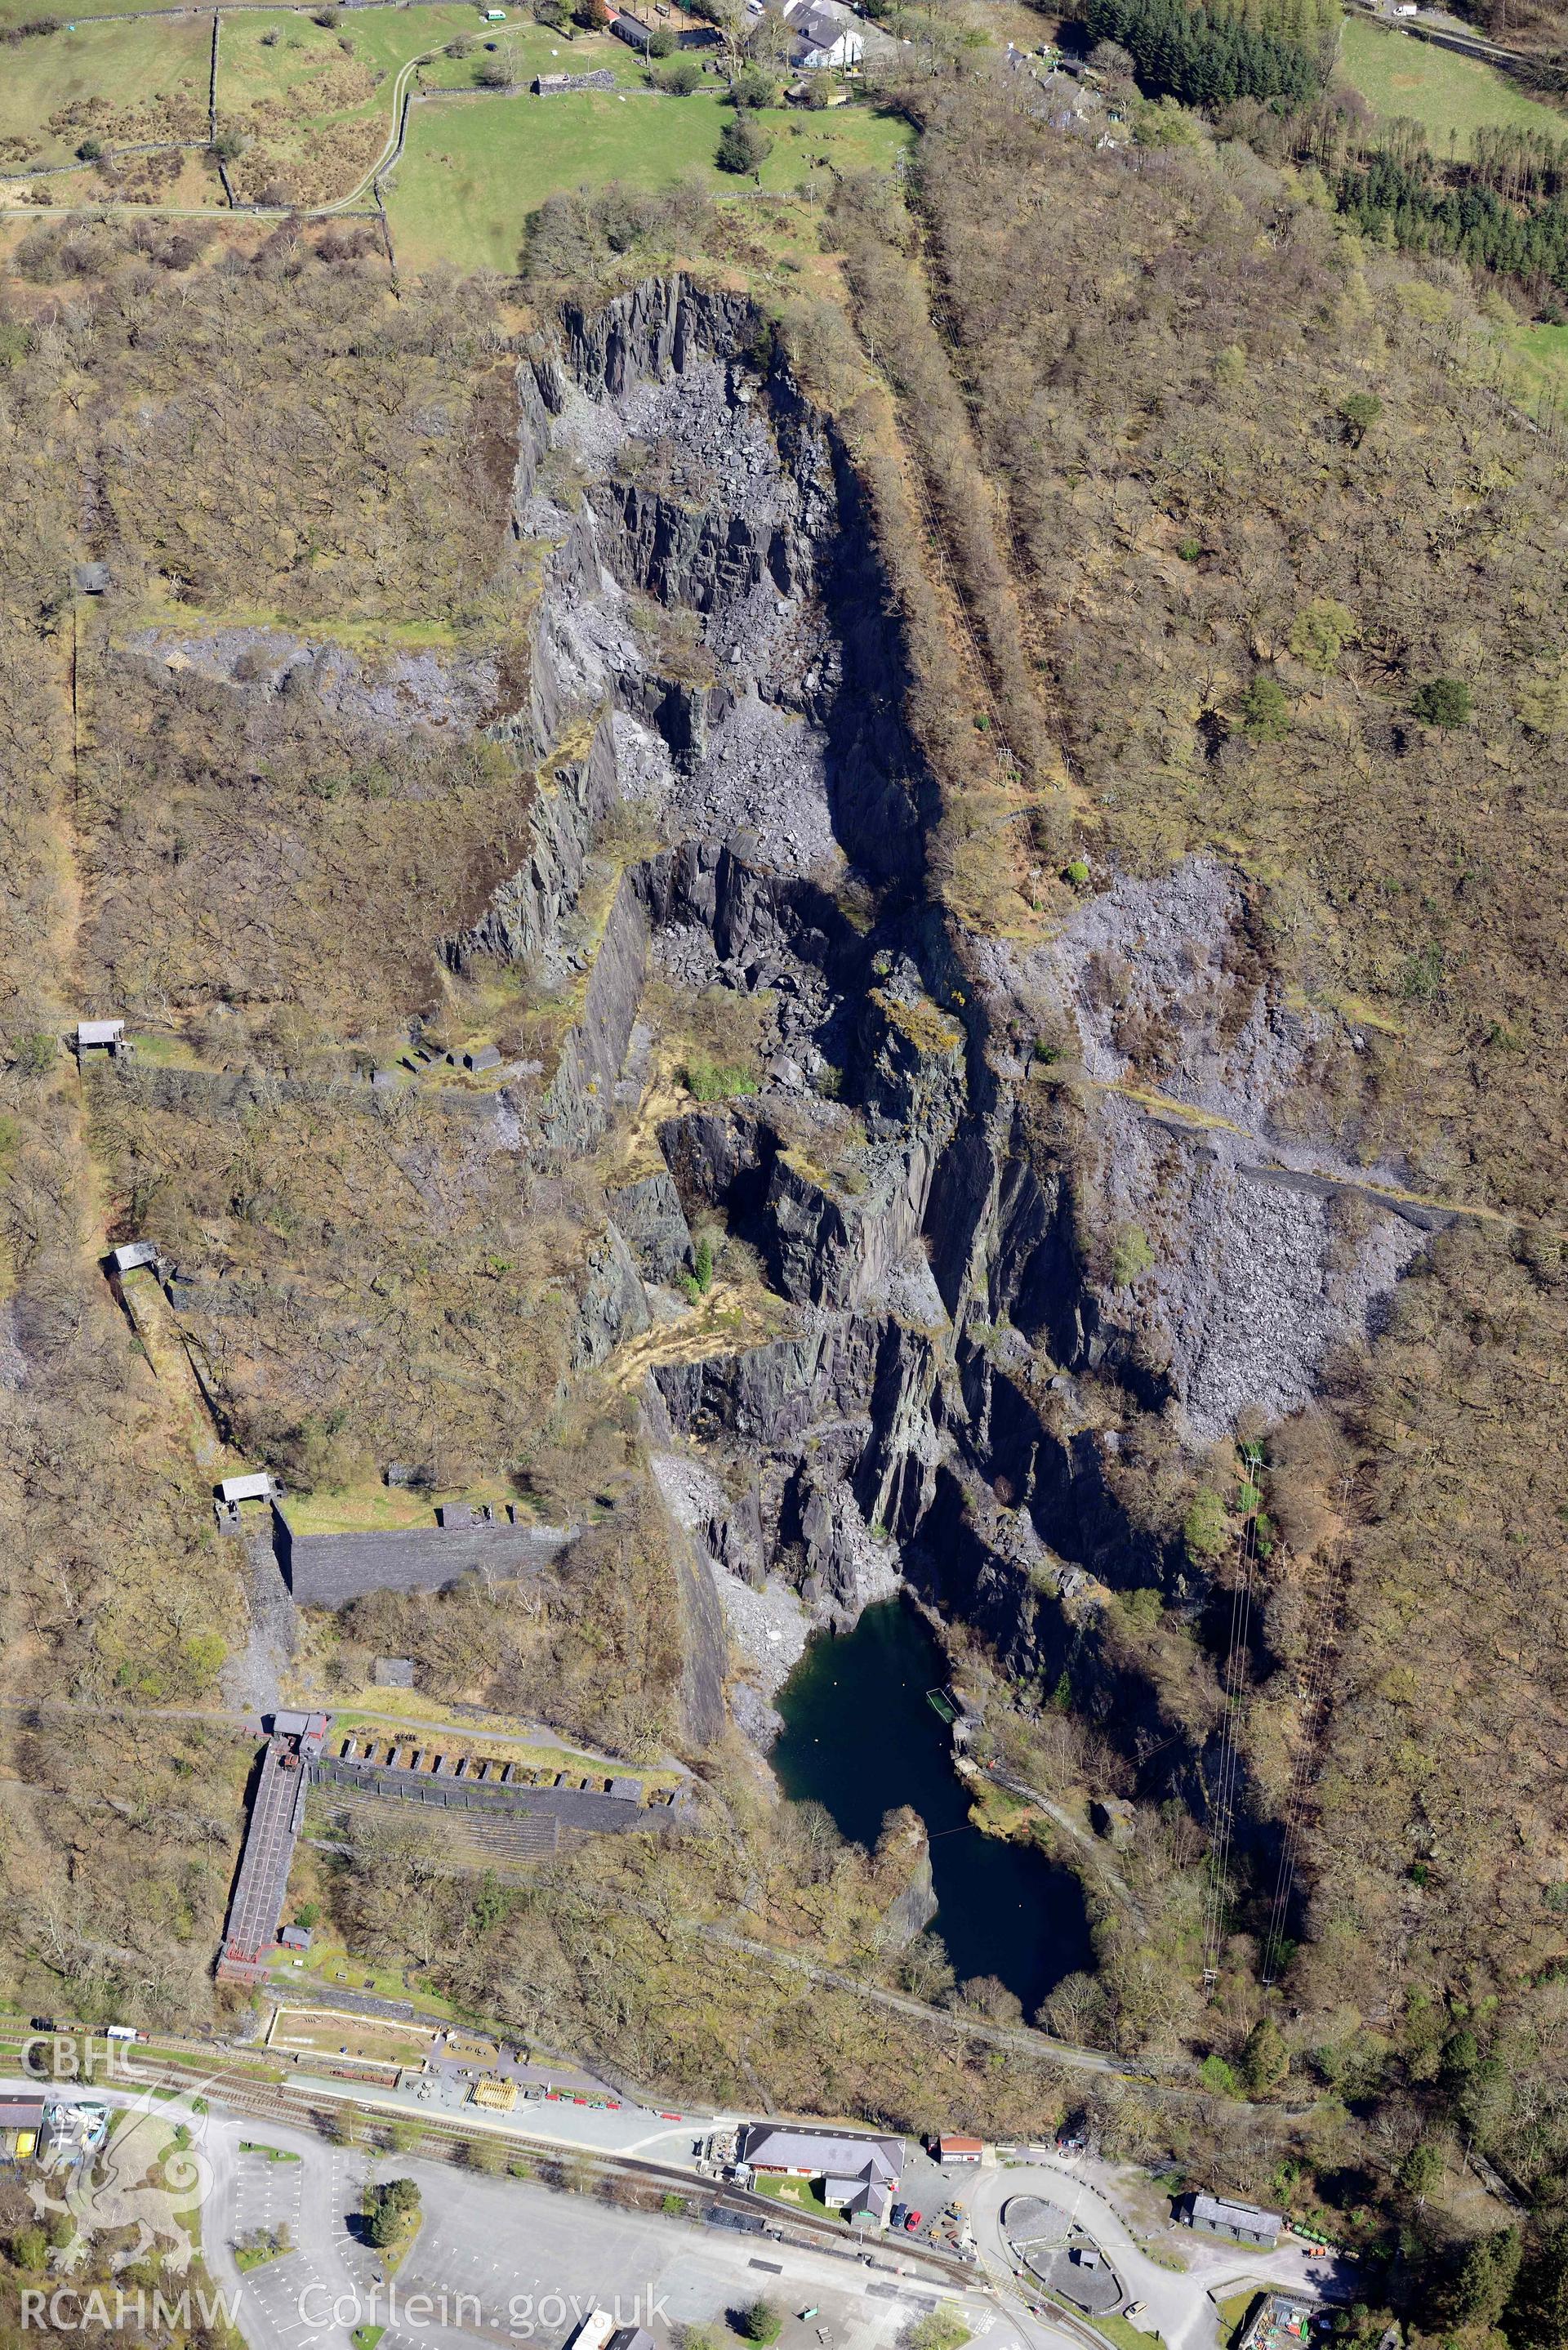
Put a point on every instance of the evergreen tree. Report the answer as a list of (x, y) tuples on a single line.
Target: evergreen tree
[(1487, 2277)]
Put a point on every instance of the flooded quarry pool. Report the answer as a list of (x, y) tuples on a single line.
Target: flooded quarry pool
[(860, 1739)]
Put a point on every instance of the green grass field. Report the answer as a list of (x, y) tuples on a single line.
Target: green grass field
[(472, 171), (24, 12), (318, 112), (135, 80), (534, 49), (1543, 355), (1444, 93)]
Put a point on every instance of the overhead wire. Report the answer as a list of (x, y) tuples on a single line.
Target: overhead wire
[(1224, 1806), (1314, 1703)]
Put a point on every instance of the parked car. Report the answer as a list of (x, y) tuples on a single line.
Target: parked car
[(912, 2223), (898, 2214)]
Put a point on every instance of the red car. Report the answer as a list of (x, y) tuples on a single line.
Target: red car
[(912, 2223)]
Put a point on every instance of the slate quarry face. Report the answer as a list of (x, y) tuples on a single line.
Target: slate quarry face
[(715, 584), (720, 588), (716, 664)]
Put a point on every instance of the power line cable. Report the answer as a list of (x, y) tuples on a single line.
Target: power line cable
[(1229, 1748)]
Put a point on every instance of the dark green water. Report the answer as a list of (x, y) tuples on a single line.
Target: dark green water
[(860, 1738)]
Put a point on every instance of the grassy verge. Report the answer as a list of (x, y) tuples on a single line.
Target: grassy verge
[(1234, 2312), (27, 12), (1433, 87), (340, 2035), (1122, 2332), (379, 1509), (472, 171)]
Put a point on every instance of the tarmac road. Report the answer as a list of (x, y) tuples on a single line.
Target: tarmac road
[(1178, 2302), (513, 2265)]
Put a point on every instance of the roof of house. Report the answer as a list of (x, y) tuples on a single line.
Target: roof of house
[(816, 24), (837, 2154), (21, 2113), (823, 22), (1219, 2212), (100, 1032), (961, 2145)]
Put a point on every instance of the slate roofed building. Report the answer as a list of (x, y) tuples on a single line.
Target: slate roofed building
[(21, 2121), (846, 2160), (827, 36), (871, 2201), (1243, 2223)]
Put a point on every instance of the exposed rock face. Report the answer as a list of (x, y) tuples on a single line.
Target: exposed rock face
[(648, 1216), (905, 1851), (439, 692), (524, 920), (614, 1303), (1260, 1260), (972, 1312)]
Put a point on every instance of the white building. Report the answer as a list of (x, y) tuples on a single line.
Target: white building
[(825, 36), (130, 1254), (255, 1485), (107, 1034)]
